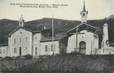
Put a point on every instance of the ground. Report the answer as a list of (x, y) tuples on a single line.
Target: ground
[(68, 63)]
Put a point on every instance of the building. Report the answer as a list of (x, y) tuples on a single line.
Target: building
[(85, 38), (3, 50), (53, 46), (84, 42), (23, 41)]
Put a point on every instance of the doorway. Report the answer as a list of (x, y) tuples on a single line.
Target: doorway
[(20, 51), (82, 47)]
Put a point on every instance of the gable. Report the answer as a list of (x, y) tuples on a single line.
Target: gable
[(85, 26), (19, 30)]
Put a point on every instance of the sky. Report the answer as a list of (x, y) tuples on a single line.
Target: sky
[(97, 9)]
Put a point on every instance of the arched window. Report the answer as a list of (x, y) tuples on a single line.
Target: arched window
[(107, 42), (82, 45)]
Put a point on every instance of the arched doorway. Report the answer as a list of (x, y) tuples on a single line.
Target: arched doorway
[(82, 47)]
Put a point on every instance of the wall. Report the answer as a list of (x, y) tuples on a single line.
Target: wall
[(36, 44), (86, 36), (49, 51), (3, 51), (20, 39), (106, 51), (63, 45)]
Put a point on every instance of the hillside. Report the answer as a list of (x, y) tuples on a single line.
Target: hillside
[(69, 63), (61, 26), (6, 26)]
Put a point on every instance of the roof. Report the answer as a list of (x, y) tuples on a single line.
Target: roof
[(83, 26), (24, 29), (48, 37), (2, 45), (84, 9)]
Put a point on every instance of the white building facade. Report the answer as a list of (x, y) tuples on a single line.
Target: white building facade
[(23, 41), (20, 42), (50, 48), (84, 42), (36, 44)]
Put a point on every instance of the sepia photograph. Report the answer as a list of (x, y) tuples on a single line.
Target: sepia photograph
[(56, 36)]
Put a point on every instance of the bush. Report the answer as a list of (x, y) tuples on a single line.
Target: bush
[(7, 58), (28, 56), (0, 57), (75, 53)]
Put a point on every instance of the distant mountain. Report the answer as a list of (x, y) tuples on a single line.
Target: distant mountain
[(111, 17), (6, 26), (61, 26)]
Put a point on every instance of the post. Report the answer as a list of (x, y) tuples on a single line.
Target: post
[(52, 48), (76, 39)]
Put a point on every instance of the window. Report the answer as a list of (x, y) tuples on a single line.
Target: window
[(15, 51), (20, 32), (0, 51), (25, 49), (52, 47), (4, 51), (35, 38), (36, 51), (14, 41), (107, 42), (83, 14), (95, 36), (46, 48)]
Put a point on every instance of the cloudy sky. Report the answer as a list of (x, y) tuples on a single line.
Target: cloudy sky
[(97, 9)]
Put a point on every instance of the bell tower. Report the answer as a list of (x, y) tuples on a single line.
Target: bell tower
[(21, 21), (84, 14)]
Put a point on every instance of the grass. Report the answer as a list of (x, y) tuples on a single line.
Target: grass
[(68, 63)]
